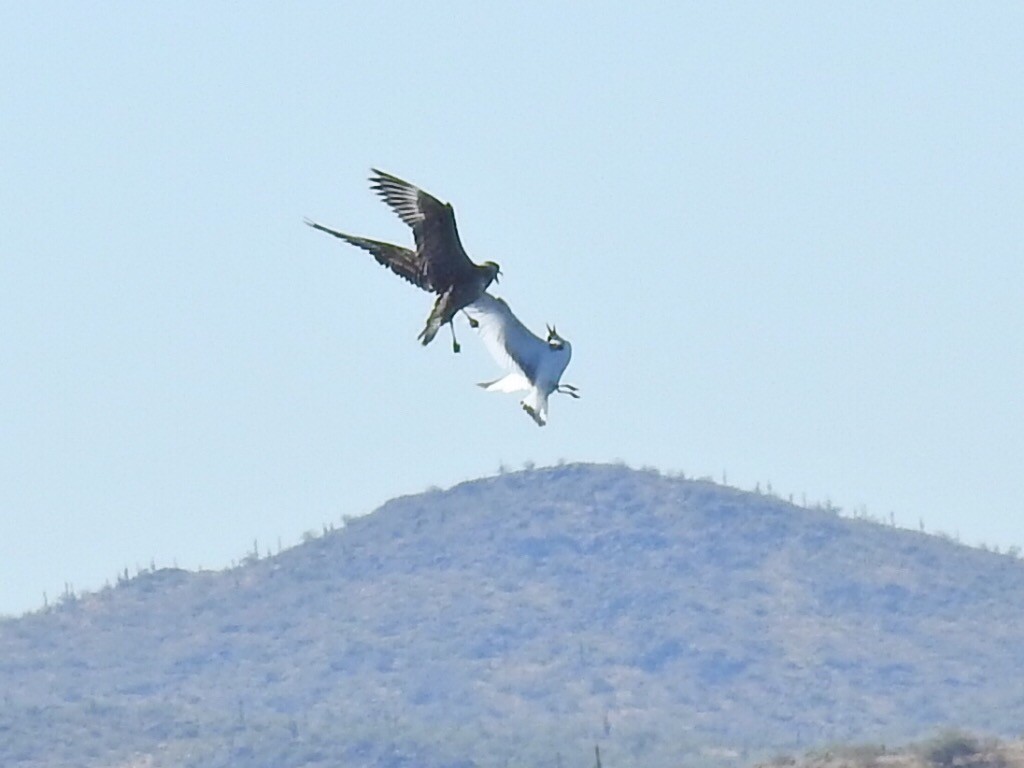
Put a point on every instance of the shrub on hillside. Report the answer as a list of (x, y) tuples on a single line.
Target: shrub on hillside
[(956, 749)]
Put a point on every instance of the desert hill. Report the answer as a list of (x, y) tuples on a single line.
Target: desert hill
[(522, 619)]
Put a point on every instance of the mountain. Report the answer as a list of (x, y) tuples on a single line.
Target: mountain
[(520, 620)]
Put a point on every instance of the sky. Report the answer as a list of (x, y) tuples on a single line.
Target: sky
[(784, 239)]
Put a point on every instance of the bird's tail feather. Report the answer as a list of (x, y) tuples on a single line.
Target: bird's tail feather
[(514, 382), (430, 330)]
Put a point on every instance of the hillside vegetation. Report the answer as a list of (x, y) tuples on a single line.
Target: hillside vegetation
[(949, 749), (520, 620)]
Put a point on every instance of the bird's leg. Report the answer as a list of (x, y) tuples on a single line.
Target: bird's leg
[(455, 342), (568, 389), (472, 323)]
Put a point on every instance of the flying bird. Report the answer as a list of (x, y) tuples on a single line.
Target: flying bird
[(439, 264), (534, 364)]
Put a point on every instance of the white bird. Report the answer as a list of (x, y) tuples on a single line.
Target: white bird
[(534, 365)]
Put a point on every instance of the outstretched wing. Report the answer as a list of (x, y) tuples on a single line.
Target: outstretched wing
[(433, 228), (510, 342), (402, 261), (407, 200)]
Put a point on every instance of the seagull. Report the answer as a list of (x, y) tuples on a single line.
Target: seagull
[(535, 364), (438, 265)]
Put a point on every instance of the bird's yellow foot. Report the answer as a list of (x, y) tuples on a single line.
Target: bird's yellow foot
[(533, 414)]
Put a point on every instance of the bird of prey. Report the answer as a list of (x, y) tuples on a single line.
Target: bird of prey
[(439, 264), (534, 364)]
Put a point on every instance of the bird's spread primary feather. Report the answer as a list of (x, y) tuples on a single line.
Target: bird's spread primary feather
[(402, 261)]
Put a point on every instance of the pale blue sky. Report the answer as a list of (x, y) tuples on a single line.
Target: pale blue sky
[(785, 240)]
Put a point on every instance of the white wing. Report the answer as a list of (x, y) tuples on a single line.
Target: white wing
[(510, 342)]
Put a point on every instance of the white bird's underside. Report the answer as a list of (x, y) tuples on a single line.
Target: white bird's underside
[(534, 365)]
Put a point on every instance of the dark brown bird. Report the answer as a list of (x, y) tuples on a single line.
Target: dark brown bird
[(439, 264)]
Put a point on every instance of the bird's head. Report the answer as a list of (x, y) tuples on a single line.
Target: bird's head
[(554, 340), (493, 270)]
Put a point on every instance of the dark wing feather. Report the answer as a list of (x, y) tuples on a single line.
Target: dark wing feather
[(402, 261), (437, 242), (405, 199), (433, 228)]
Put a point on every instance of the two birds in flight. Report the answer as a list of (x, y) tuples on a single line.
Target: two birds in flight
[(440, 265)]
